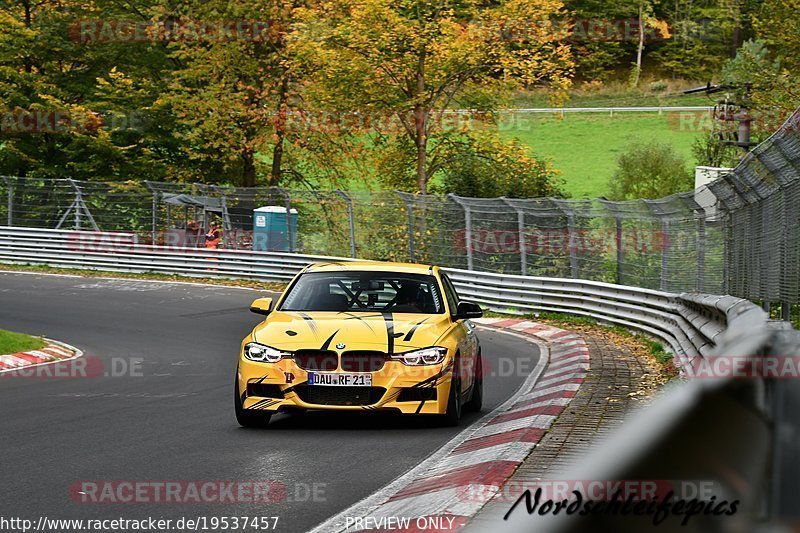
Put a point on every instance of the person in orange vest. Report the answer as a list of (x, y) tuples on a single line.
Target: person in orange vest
[(213, 236)]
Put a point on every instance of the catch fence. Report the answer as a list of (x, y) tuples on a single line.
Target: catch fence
[(738, 235)]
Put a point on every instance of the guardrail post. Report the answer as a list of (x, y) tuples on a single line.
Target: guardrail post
[(10, 187), (726, 255), (349, 202), (569, 212), (573, 258), (618, 224), (467, 229), (661, 215), (77, 214), (154, 220), (287, 202), (664, 257), (410, 213), (154, 214), (786, 271), (701, 254), (523, 252)]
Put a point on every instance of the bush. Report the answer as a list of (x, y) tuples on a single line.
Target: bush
[(485, 166), (649, 170)]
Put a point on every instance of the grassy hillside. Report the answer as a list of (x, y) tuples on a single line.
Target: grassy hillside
[(585, 146)]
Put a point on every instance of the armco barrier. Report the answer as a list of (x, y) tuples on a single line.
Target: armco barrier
[(115, 252), (688, 323), (740, 434)]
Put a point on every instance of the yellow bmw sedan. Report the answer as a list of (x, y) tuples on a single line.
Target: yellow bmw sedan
[(362, 336)]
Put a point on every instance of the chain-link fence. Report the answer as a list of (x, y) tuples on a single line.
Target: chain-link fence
[(738, 235)]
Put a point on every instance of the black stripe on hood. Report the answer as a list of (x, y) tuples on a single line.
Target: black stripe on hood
[(327, 343), (389, 321), (413, 330)]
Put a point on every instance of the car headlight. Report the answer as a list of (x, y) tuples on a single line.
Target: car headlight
[(264, 354), (426, 356)]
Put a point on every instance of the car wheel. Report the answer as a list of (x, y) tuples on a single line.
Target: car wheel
[(476, 402), (248, 419), (452, 417)]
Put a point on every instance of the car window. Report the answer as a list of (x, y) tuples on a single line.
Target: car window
[(364, 291), (450, 294)]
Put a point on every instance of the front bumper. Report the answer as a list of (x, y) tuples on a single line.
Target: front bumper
[(283, 386)]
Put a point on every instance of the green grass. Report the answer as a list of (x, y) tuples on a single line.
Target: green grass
[(585, 146), (658, 351), (11, 342)]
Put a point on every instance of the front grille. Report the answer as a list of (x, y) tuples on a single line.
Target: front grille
[(322, 395), (264, 390), (324, 360), (363, 361), (417, 395)]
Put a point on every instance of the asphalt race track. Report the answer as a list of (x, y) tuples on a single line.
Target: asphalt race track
[(169, 415)]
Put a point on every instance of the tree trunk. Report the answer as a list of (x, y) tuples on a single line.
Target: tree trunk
[(248, 168), (736, 40), (422, 176), (420, 116), (640, 49), (280, 134), (28, 22)]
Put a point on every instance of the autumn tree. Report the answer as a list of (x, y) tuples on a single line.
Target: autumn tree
[(50, 77), (414, 59), (230, 90), (774, 77)]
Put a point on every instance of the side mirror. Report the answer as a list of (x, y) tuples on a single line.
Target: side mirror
[(261, 306), (468, 310)]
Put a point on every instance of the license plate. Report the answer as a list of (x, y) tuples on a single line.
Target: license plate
[(335, 379)]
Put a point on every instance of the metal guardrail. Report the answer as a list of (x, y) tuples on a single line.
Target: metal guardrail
[(738, 434), (689, 324), (116, 252)]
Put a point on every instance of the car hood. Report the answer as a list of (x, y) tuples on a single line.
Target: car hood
[(388, 332)]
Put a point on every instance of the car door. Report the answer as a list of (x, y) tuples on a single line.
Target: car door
[(465, 333)]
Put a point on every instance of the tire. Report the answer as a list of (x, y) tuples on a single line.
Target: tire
[(452, 417), (248, 419), (475, 403)]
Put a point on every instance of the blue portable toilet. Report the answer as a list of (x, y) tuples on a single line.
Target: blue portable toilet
[(271, 233)]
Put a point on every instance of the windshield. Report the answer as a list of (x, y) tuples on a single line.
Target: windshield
[(364, 291)]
